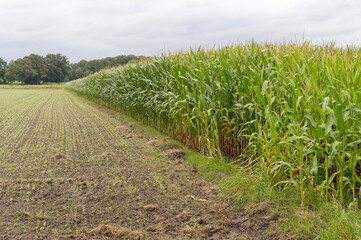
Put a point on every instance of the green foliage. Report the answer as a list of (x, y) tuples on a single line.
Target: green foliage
[(343, 223), (84, 68), (293, 107), (330, 221), (3, 67), (39, 67), (35, 69), (55, 68), (20, 70), (58, 67)]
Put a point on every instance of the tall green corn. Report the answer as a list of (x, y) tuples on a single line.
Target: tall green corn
[(296, 106)]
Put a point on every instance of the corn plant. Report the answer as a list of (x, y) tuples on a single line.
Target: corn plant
[(295, 107)]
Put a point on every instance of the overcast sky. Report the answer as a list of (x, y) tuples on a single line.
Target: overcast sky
[(92, 29)]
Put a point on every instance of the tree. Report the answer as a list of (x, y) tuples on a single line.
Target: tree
[(84, 68), (40, 68), (58, 67), (3, 66), (20, 70)]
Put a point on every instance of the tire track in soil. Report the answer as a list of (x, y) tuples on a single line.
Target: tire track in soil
[(132, 190)]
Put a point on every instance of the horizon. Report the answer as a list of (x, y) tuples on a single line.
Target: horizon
[(352, 45)]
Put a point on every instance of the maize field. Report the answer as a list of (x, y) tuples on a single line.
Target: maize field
[(294, 109)]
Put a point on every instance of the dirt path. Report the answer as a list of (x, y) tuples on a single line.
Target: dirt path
[(73, 170)]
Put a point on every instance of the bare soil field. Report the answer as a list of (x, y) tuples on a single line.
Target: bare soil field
[(70, 169)]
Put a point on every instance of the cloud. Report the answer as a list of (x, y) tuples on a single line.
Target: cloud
[(88, 29)]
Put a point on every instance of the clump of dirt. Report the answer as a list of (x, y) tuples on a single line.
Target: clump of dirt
[(120, 127), (60, 156), (210, 231), (195, 198), (261, 210), (171, 150), (113, 231), (129, 131), (104, 154), (25, 214), (187, 230), (162, 145), (155, 142), (202, 220), (193, 168), (169, 145), (183, 216), (153, 228), (176, 154), (150, 207)]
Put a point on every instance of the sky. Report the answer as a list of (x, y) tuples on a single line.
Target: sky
[(93, 29)]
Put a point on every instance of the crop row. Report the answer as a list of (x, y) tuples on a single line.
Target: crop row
[(295, 108)]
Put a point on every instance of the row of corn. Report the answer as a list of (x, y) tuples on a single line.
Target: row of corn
[(294, 107)]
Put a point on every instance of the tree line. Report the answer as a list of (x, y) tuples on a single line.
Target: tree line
[(55, 68)]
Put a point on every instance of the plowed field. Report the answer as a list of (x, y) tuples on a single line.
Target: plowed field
[(70, 169)]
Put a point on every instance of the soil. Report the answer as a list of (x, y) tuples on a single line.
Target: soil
[(70, 169)]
